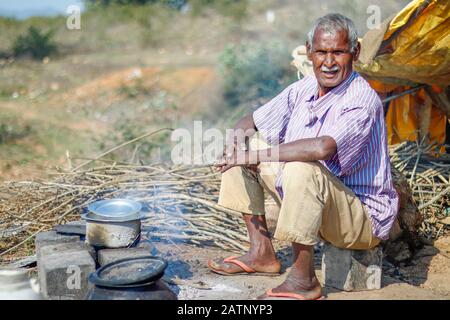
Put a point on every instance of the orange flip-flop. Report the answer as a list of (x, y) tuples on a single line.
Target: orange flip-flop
[(245, 268), (295, 296)]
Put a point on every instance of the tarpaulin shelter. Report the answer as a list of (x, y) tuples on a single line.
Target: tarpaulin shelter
[(407, 60)]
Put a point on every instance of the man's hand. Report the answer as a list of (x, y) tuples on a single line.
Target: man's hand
[(235, 152), (238, 157)]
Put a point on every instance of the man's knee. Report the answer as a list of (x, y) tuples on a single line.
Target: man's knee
[(299, 172), (237, 178), (232, 172), (231, 178), (241, 192)]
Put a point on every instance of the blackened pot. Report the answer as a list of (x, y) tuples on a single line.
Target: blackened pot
[(155, 291), (131, 279)]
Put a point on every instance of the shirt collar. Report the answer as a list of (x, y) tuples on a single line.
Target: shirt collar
[(318, 107)]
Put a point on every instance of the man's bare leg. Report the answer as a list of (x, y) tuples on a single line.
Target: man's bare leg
[(261, 255), (302, 277)]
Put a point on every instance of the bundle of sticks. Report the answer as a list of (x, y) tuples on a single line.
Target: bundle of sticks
[(427, 171)]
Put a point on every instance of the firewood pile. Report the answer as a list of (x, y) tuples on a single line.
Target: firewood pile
[(180, 202), (422, 179)]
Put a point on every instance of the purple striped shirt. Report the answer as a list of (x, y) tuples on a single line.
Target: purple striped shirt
[(352, 114)]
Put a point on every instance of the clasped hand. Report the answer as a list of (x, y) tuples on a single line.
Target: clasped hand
[(236, 155)]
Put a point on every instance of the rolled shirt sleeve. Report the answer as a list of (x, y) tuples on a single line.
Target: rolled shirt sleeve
[(272, 118), (351, 131)]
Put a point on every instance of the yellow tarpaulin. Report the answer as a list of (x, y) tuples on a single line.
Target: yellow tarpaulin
[(414, 47), (410, 48), (403, 115)]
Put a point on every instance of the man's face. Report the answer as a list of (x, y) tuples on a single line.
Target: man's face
[(331, 58)]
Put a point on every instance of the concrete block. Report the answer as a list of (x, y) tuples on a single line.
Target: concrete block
[(77, 223), (67, 247), (63, 270), (71, 229), (51, 238), (352, 270), (106, 256)]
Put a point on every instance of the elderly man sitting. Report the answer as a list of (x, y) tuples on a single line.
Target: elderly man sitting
[(326, 164)]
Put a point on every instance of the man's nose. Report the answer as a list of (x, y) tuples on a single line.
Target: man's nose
[(329, 60)]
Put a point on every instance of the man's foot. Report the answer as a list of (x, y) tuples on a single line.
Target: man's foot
[(294, 288), (247, 263)]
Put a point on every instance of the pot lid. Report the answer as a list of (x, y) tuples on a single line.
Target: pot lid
[(129, 272), (114, 208), (97, 218), (118, 210)]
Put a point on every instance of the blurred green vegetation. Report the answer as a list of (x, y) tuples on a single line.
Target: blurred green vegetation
[(235, 9), (176, 4), (12, 129), (145, 112), (254, 72), (232, 8), (35, 43), (23, 141), (133, 90), (35, 34), (103, 25)]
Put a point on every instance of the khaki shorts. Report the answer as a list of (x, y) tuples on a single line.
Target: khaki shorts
[(316, 204)]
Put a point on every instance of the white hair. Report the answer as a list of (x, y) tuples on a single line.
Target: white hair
[(335, 22)]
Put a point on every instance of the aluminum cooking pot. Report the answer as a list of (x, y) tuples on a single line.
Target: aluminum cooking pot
[(113, 223), (117, 210)]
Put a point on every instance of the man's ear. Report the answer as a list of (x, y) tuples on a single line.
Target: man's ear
[(308, 51), (357, 52)]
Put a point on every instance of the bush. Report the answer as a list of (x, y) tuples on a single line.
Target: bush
[(254, 72), (35, 43), (175, 4), (10, 131), (235, 9), (133, 90)]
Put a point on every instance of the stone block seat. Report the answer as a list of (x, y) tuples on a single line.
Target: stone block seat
[(352, 270)]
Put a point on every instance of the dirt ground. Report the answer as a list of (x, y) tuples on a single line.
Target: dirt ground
[(426, 277)]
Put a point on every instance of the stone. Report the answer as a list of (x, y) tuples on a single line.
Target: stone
[(71, 229), (106, 256), (63, 270), (426, 251), (77, 223), (397, 252), (68, 247), (51, 238), (352, 270)]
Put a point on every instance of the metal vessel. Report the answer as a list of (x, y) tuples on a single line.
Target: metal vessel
[(113, 223), (131, 279)]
